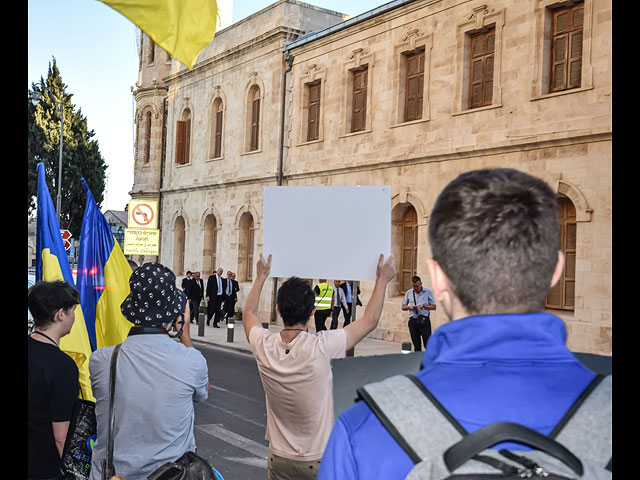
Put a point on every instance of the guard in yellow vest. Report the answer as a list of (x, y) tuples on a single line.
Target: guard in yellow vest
[(324, 294)]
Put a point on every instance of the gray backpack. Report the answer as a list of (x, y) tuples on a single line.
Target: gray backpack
[(579, 447)]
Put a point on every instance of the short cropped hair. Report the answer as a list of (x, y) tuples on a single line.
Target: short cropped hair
[(415, 279), (295, 301), (496, 235), (46, 298)]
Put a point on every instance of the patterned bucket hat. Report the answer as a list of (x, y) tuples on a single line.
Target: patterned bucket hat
[(154, 299)]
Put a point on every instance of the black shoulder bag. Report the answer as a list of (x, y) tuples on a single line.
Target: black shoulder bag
[(421, 320)]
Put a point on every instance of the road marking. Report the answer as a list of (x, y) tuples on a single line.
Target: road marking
[(235, 414), (250, 461), (236, 440)]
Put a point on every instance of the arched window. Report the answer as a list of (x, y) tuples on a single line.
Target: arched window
[(183, 137), (254, 119), (215, 142), (147, 137), (562, 296), (245, 248), (209, 253), (409, 259), (178, 246)]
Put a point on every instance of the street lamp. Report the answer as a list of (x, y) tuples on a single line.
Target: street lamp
[(35, 99)]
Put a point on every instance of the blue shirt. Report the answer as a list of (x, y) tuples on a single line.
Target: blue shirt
[(483, 369), (157, 381), (425, 297)]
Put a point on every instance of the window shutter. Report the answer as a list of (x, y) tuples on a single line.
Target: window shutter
[(218, 144), (414, 86), (313, 127), (566, 50), (180, 142), (187, 140), (147, 146), (481, 69), (409, 248), (255, 119), (562, 295), (359, 117), (250, 240)]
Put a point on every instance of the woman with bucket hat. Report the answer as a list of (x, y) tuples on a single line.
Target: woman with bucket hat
[(157, 380)]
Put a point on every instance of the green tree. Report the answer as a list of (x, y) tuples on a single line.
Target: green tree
[(81, 155)]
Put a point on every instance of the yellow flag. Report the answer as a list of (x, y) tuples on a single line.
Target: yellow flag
[(181, 27)]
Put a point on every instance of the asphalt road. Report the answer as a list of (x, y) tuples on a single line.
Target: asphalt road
[(230, 424)]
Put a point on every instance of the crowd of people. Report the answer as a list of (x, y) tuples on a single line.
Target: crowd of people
[(495, 252)]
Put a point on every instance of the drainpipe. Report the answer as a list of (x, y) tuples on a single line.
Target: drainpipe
[(163, 153), (289, 60)]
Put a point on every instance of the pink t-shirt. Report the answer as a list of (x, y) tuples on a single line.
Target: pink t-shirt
[(298, 386)]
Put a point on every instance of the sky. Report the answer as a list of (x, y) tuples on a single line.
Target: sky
[(96, 51)]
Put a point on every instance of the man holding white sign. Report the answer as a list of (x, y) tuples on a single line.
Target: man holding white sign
[(295, 368)]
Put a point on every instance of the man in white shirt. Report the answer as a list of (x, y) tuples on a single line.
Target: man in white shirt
[(295, 369), (215, 297), (338, 302)]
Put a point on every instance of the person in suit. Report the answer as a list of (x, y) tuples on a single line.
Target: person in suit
[(215, 297), (197, 295), (231, 289), (348, 293), (186, 280), (187, 288)]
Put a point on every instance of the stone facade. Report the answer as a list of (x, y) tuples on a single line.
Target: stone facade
[(562, 137)]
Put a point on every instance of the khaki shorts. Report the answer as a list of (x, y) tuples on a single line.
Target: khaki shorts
[(279, 468)]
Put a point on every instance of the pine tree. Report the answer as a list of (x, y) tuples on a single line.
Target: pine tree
[(81, 155)]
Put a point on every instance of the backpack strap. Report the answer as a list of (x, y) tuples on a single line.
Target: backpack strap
[(590, 413), (404, 406)]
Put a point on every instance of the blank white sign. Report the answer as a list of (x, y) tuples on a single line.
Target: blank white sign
[(327, 232)]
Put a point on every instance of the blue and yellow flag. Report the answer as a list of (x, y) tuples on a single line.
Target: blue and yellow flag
[(52, 264), (181, 27), (103, 278)]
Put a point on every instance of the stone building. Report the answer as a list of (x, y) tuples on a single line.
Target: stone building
[(410, 95)]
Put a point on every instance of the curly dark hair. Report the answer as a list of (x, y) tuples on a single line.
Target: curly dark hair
[(295, 301)]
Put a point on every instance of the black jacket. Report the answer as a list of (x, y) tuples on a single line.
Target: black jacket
[(343, 286)]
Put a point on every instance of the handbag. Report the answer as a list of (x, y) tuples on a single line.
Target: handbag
[(108, 470), (421, 320), (78, 446), (188, 467)]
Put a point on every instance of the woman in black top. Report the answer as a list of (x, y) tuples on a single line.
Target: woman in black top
[(52, 376)]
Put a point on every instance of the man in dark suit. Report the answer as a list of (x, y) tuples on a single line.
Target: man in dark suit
[(215, 297), (348, 293), (196, 296), (231, 289), (187, 288)]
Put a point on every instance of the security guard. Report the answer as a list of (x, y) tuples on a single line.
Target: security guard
[(324, 294)]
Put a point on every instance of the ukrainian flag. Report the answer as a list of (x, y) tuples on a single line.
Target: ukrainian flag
[(52, 264), (103, 278)]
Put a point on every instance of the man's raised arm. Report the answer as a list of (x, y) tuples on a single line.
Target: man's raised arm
[(356, 331), (250, 316)]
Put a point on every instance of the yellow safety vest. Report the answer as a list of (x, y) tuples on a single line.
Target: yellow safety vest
[(323, 299)]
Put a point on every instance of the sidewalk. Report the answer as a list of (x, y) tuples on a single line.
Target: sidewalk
[(218, 337)]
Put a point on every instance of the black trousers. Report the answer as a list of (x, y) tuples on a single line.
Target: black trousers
[(214, 310), (320, 318), (347, 315), (229, 308), (419, 334), (335, 313)]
